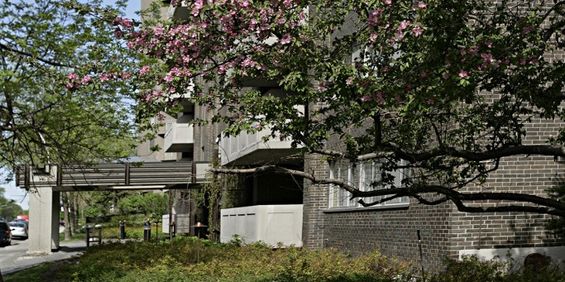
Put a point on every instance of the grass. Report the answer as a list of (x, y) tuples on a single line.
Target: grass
[(30, 274)]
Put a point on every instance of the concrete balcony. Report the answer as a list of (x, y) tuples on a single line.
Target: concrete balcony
[(179, 137), (252, 149), (271, 224)]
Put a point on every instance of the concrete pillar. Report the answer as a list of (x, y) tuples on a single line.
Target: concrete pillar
[(44, 209)]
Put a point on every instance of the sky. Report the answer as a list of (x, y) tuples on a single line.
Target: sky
[(20, 195)]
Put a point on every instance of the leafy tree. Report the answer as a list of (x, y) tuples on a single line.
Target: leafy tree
[(47, 50), (153, 205), (9, 209), (444, 88)]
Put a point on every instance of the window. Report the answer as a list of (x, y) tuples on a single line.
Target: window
[(364, 175), (339, 197)]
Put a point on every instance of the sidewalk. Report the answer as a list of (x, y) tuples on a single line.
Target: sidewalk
[(22, 260)]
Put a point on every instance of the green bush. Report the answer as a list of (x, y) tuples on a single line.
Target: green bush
[(191, 259), (471, 269)]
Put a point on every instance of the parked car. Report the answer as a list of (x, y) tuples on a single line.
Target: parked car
[(19, 229), (5, 234)]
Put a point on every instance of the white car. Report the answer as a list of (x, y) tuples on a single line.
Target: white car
[(19, 229)]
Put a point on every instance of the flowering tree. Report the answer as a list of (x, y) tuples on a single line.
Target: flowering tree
[(445, 88), (58, 101)]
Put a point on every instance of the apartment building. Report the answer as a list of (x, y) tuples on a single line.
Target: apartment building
[(280, 208)]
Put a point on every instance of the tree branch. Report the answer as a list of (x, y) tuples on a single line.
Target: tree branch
[(546, 205), (26, 54)]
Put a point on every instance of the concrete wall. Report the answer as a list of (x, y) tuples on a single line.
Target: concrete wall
[(44, 209)]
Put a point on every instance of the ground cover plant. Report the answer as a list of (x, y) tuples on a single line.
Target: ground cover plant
[(191, 259)]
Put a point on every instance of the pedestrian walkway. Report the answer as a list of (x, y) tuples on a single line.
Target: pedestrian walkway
[(17, 259)]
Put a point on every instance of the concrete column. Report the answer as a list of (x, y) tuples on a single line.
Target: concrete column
[(44, 209)]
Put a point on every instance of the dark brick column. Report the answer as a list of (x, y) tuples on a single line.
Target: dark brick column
[(315, 200)]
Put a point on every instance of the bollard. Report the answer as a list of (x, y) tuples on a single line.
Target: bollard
[(88, 227), (99, 227), (122, 230), (147, 231)]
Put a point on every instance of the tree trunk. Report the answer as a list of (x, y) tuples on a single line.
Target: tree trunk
[(73, 213), (77, 211), (68, 234)]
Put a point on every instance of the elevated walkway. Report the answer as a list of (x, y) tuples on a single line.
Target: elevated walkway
[(142, 175), (46, 183)]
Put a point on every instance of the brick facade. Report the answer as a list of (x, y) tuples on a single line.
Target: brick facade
[(445, 231)]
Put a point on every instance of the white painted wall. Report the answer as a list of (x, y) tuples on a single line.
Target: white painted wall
[(271, 224), (557, 254)]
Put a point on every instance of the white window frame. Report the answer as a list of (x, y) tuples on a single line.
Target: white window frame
[(357, 176)]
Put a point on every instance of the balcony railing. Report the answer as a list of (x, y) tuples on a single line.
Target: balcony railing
[(250, 148), (271, 224), (179, 137)]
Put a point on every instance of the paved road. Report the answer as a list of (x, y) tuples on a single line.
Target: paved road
[(14, 258)]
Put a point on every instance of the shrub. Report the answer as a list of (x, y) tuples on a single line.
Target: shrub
[(472, 269), (191, 259)]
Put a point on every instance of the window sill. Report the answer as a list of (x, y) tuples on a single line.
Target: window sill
[(402, 206)]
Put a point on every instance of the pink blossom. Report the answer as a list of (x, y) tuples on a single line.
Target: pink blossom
[(70, 86), (285, 39), (252, 24), (403, 25), (374, 16), (86, 79), (168, 78), (221, 69), (118, 33), (198, 5), (463, 74), (72, 76), (125, 75), (417, 31), (144, 70), (244, 3), (421, 5), (387, 2), (487, 58), (398, 36), (287, 3), (248, 63), (373, 37), (105, 77), (127, 23), (158, 30), (175, 71)]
